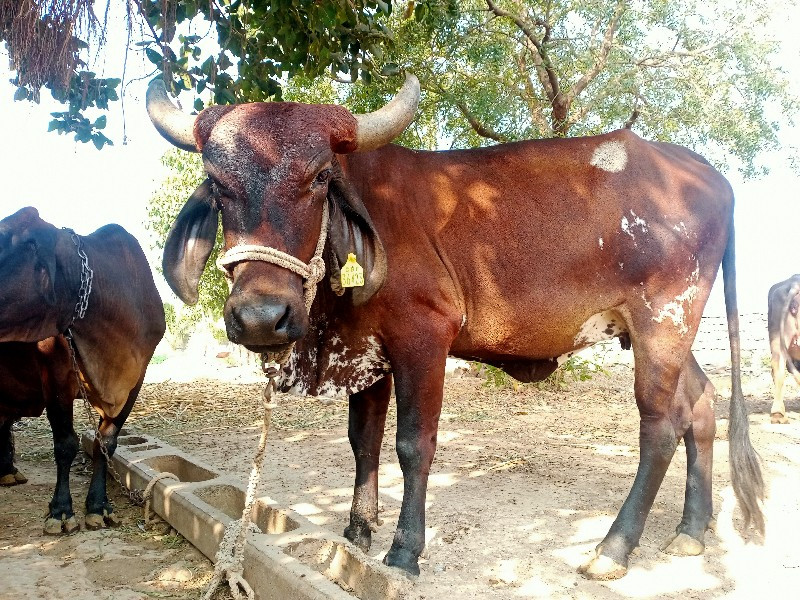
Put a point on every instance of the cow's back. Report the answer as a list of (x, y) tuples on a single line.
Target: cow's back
[(545, 232)]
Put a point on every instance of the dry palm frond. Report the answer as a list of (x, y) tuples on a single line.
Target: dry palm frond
[(45, 37)]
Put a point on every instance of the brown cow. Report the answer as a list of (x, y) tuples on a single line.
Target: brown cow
[(513, 255), (110, 305), (783, 327)]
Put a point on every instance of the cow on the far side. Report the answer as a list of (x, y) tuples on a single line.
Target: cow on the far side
[(100, 290), (784, 339)]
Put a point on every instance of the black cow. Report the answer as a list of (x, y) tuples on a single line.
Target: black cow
[(100, 289)]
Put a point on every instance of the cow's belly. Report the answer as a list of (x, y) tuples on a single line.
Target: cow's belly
[(499, 340)]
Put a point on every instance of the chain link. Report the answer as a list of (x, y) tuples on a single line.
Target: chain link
[(87, 276)]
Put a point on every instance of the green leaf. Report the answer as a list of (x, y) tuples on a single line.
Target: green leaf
[(100, 123), (20, 94), (153, 56), (198, 104)]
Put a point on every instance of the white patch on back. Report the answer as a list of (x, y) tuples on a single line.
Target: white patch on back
[(600, 243), (610, 156), (681, 228), (602, 326)]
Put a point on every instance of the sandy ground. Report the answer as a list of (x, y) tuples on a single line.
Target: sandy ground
[(525, 483)]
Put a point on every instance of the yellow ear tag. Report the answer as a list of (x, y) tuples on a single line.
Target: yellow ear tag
[(352, 273)]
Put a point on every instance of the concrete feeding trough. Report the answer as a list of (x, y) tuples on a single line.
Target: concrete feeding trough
[(286, 555)]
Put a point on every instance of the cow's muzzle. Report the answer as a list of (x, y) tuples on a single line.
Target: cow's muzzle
[(264, 323)]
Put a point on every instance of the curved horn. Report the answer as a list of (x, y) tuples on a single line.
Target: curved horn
[(380, 127), (174, 125)]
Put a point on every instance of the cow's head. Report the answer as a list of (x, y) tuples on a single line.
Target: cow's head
[(271, 167), (29, 307)]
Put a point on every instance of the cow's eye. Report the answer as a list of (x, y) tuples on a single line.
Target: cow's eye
[(322, 177)]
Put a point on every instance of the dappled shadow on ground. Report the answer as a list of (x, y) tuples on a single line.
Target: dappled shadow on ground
[(524, 485)]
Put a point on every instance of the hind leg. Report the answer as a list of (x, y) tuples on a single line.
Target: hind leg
[(9, 474), (695, 393), (778, 364), (660, 349)]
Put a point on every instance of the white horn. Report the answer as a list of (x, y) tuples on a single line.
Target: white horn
[(380, 127), (173, 124)]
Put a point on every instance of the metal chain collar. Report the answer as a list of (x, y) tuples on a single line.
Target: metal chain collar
[(87, 276)]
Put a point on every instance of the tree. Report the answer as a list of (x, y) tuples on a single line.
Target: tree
[(502, 70), (239, 50), (703, 75)]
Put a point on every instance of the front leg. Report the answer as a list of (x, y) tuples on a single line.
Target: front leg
[(99, 510), (419, 381), (366, 424), (61, 517)]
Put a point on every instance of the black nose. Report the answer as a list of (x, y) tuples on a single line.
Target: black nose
[(265, 323)]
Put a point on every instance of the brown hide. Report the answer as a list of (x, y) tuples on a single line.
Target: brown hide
[(32, 374), (516, 255), (124, 320)]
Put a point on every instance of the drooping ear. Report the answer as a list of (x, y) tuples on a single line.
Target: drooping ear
[(190, 242), (351, 231), (45, 275)]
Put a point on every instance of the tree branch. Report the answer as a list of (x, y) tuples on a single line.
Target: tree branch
[(479, 128), (547, 74), (602, 56), (531, 96)]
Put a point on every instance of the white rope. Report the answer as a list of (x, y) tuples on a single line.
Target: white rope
[(229, 559), (148, 492)]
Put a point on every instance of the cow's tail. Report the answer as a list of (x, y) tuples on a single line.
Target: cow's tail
[(748, 483)]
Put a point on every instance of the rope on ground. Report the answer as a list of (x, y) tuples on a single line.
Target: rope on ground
[(229, 559), (148, 492)]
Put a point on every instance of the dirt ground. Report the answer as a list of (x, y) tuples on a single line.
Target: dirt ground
[(525, 483)]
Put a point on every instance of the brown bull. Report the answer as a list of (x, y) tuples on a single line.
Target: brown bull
[(514, 255), (783, 326), (110, 306)]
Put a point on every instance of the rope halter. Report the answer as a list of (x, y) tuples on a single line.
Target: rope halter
[(312, 273)]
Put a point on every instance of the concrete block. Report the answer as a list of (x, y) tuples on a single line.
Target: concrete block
[(286, 557)]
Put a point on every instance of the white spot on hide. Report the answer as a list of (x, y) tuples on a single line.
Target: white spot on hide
[(610, 156), (600, 243), (602, 326), (681, 228), (676, 310), (635, 222)]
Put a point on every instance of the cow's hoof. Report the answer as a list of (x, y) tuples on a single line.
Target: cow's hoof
[(8, 480), (360, 536), (53, 526), (602, 568), (779, 419), (402, 559), (682, 544), (94, 521), (20, 478)]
